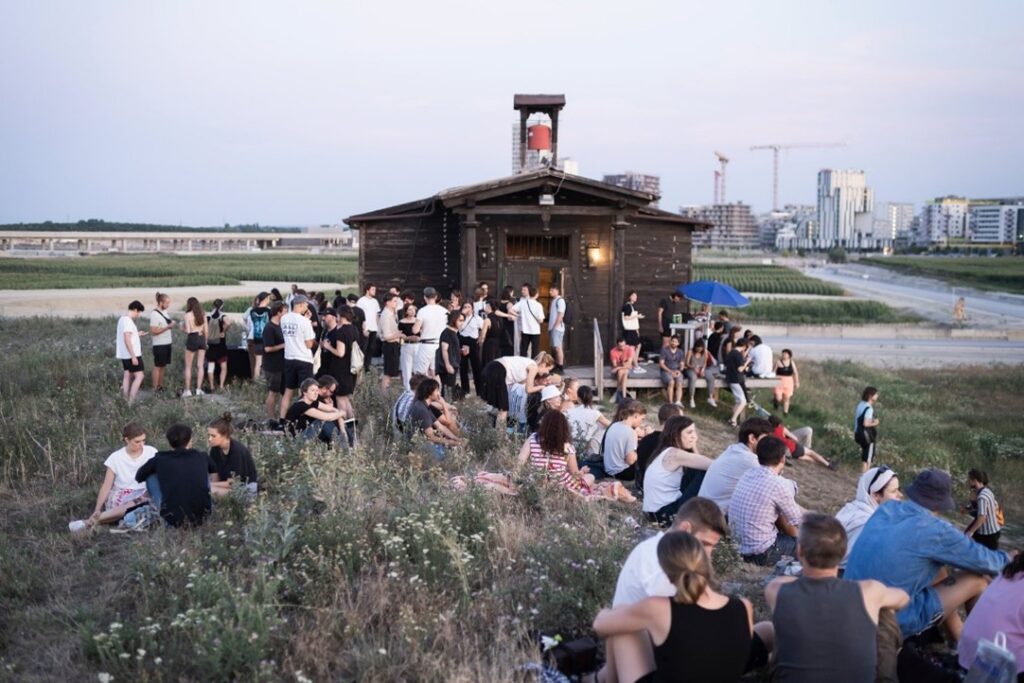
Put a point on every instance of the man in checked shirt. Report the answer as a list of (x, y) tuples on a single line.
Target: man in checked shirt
[(763, 504)]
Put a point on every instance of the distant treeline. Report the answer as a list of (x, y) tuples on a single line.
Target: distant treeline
[(100, 225)]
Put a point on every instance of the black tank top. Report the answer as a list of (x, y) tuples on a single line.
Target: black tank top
[(406, 328), (784, 370), (495, 331), (707, 645), (823, 633)]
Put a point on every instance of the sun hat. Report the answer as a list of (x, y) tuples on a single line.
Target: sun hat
[(549, 392), (931, 489)]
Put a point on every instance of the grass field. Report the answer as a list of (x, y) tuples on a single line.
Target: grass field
[(1004, 274), (823, 312), (765, 279), (366, 566), (151, 270)]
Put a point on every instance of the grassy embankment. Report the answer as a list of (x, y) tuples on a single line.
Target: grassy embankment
[(366, 566), (1003, 274), (152, 270)]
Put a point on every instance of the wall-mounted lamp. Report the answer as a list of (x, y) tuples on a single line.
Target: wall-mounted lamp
[(593, 255)]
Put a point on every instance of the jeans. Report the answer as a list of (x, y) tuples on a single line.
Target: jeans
[(784, 545), (691, 382), (711, 373), (325, 431)]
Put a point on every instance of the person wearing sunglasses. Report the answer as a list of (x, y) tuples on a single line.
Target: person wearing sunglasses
[(876, 486)]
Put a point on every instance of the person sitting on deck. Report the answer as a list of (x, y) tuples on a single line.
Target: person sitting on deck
[(906, 544), (761, 357), (674, 475), (621, 357), (620, 441), (672, 370), (825, 627), (763, 504), (721, 477)]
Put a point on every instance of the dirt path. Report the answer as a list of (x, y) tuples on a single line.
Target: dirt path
[(100, 303)]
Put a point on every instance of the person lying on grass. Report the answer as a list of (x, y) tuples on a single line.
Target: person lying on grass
[(119, 491), (798, 442), (233, 460)]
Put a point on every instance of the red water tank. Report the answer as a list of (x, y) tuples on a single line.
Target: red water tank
[(538, 137)]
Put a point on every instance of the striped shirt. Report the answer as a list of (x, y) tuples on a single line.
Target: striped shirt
[(761, 496), (554, 466), (987, 506)]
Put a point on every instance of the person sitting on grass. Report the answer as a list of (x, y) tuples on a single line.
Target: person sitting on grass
[(671, 363), (311, 418), (621, 357), (674, 475), (588, 424), (736, 364), (798, 442), (233, 460), (550, 450), (986, 527), (128, 347), (697, 634), (906, 544), (119, 491), (699, 363), (647, 446), (423, 420), (502, 374), (721, 477), (875, 487), (178, 480), (826, 628), (400, 411), (620, 441), (763, 504)]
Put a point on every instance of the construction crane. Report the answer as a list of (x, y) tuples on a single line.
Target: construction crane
[(718, 175), (720, 185), (775, 161)]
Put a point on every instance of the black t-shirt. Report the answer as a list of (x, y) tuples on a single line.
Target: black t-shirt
[(237, 462), (184, 476), (450, 337), (669, 309), (273, 336), (358, 318), (296, 416), (732, 367), (420, 417), (349, 336), (714, 342), (259, 316)]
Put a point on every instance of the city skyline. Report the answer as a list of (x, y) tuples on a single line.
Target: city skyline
[(204, 114)]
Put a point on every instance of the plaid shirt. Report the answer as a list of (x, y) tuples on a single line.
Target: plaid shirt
[(761, 496)]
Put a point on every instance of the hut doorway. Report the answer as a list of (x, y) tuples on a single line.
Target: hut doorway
[(543, 277)]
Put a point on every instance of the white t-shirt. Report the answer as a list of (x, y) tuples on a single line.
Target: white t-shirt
[(724, 472), (471, 327), (642, 576), (434, 319), (371, 307), (761, 360), (516, 368), (584, 425), (530, 314), (557, 307), (126, 324), (124, 467), (297, 331), (661, 486), (158, 318)]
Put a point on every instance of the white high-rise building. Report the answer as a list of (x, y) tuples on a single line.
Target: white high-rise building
[(893, 220), (943, 220), (992, 223), (845, 210)]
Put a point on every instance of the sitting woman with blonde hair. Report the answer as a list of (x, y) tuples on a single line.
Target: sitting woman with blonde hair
[(698, 634)]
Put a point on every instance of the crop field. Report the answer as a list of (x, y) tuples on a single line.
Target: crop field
[(1004, 274), (823, 312), (366, 565), (765, 279), (153, 270)]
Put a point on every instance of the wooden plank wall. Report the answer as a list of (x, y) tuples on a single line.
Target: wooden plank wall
[(410, 253), (658, 259)]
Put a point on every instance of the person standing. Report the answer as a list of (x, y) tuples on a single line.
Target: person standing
[(259, 314), (469, 343), (789, 381), (337, 344), (667, 310), (736, 365), (492, 333), (986, 526), (391, 341), (128, 350), (299, 339), (160, 326), (630, 318), (556, 326), (410, 343), (371, 309), (196, 333), (449, 355), (273, 359), (217, 354), (530, 315), (865, 427), (430, 323)]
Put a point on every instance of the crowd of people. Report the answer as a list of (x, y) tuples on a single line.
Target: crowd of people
[(851, 589)]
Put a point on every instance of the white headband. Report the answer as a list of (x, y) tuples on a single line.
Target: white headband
[(881, 481)]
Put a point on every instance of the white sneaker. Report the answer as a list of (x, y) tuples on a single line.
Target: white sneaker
[(693, 404), (186, 393), (199, 392), (78, 526), (639, 371), (712, 403)]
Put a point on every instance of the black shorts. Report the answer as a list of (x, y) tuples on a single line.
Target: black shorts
[(275, 380), (632, 337), (799, 451), (195, 342), (162, 355), (126, 363), (392, 359), (257, 347), (296, 372), (217, 352)]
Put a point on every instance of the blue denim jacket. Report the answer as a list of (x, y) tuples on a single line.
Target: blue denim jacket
[(903, 545)]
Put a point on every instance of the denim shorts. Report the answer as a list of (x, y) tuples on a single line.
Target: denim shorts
[(923, 612), (556, 337)]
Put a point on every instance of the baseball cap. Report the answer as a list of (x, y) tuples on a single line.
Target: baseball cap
[(429, 292), (549, 392), (931, 489)]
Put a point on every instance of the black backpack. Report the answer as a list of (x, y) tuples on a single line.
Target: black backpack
[(567, 315)]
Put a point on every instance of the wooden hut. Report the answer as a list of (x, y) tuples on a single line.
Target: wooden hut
[(598, 241)]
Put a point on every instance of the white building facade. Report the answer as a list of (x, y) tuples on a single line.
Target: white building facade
[(845, 210), (996, 223), (943, 221)]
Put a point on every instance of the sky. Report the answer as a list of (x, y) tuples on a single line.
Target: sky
[(204, 112)]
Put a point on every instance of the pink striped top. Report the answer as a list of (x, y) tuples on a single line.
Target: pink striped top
[(555, 466)]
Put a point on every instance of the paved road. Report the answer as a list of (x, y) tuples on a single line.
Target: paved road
[(932, 299), (924, 353)]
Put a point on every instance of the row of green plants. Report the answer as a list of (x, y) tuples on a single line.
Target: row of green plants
[(1000, 274), (823, 312), (765, 279)]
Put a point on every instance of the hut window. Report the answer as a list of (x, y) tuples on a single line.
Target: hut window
[(537, 247)]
